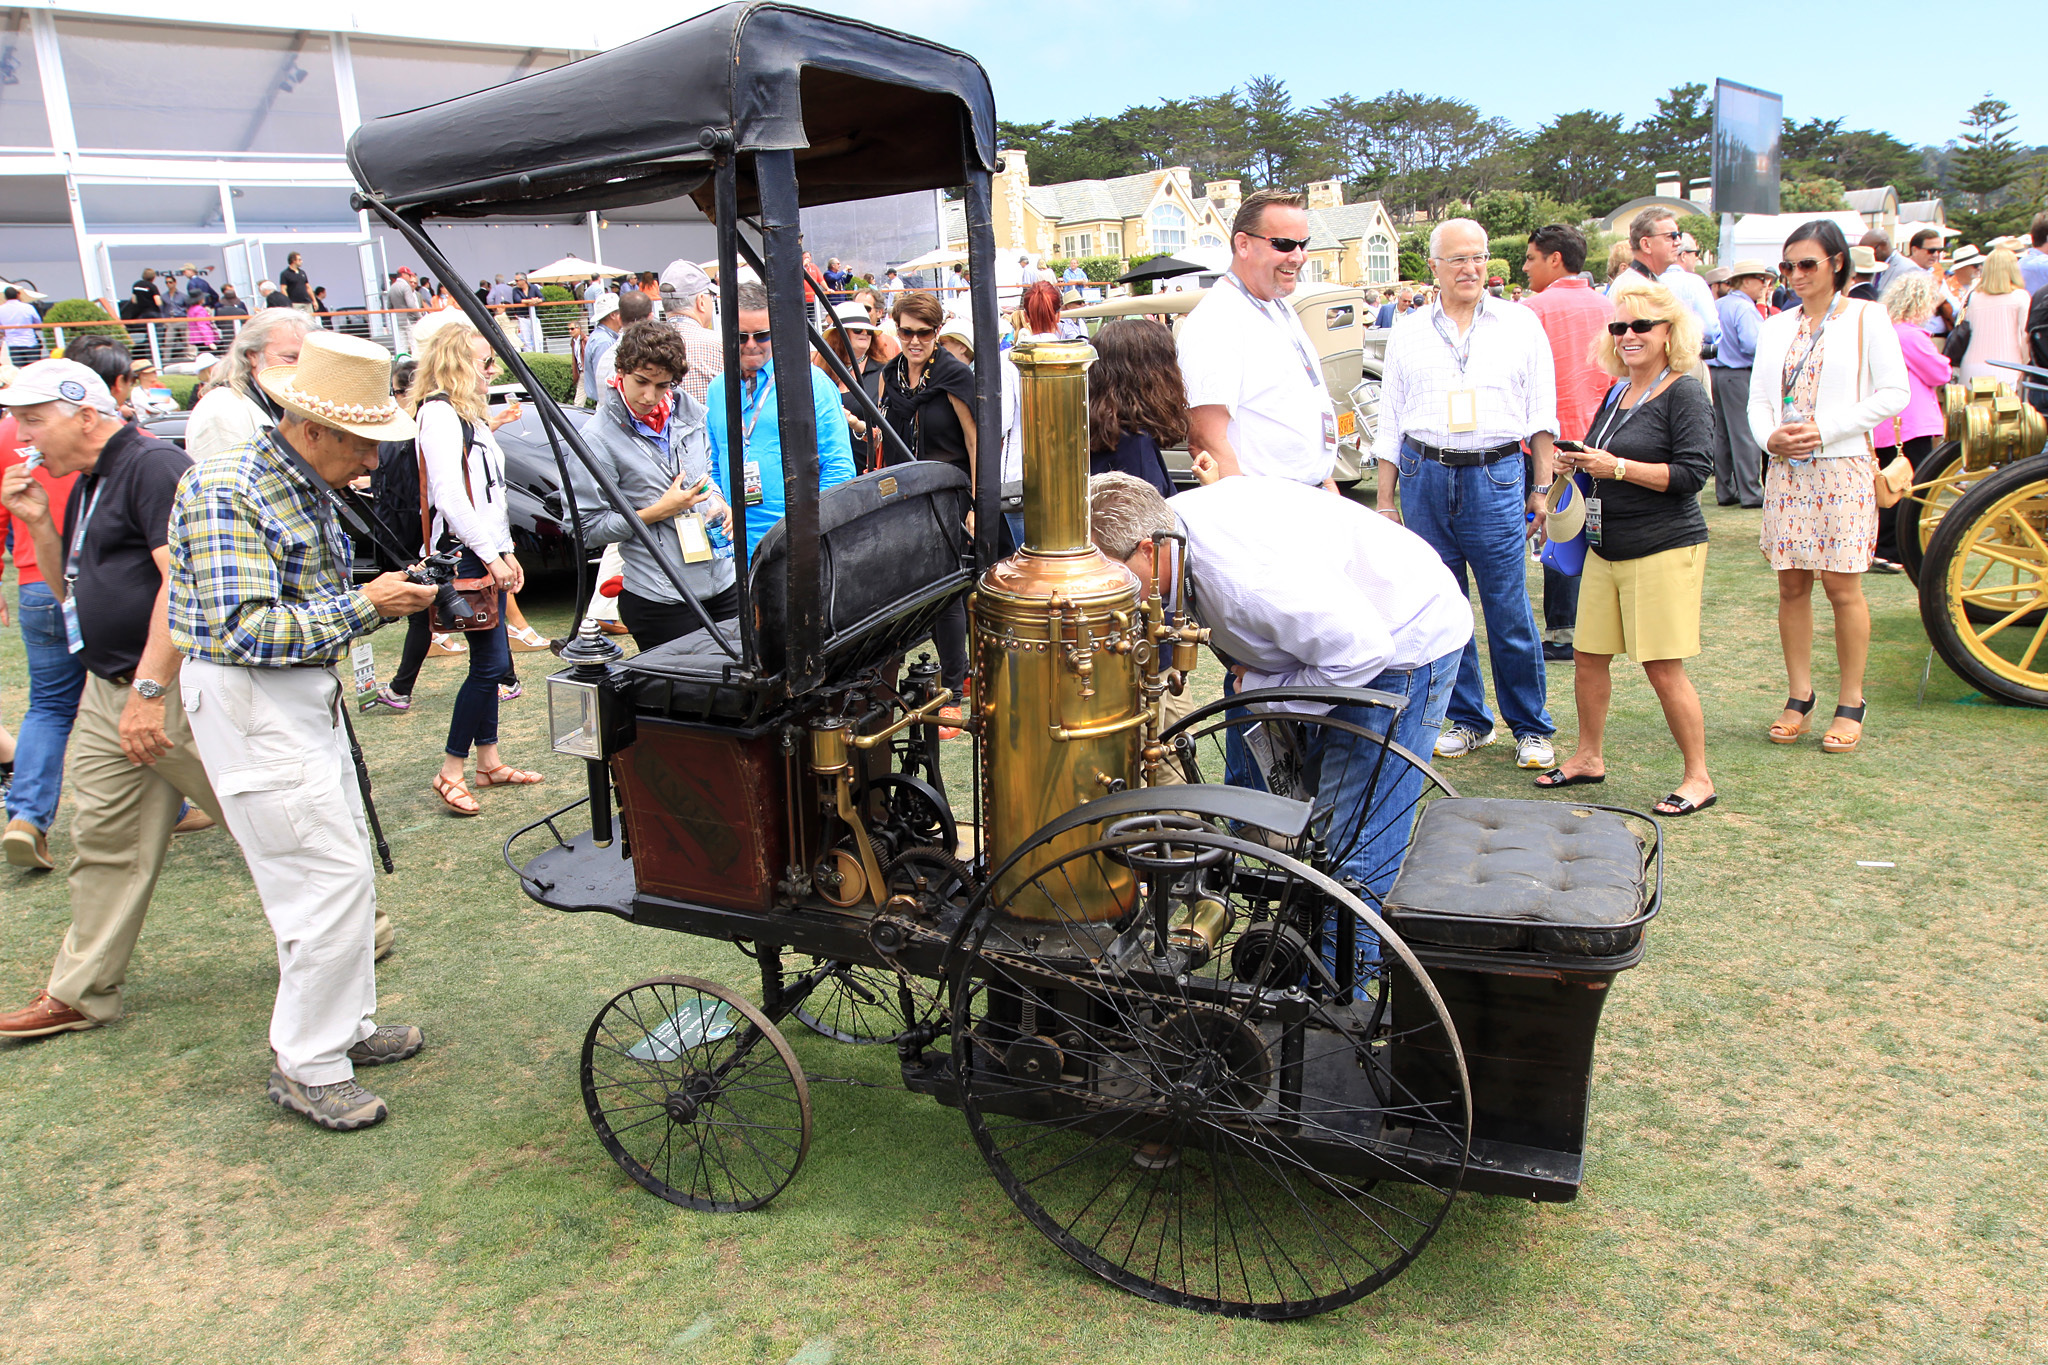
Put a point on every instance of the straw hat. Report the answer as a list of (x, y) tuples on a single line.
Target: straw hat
[(341, 381), (1863, 260), (1964, 256), (1567, 518)]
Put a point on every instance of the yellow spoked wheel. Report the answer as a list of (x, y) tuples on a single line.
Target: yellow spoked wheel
[(1936, 485), (1984, 584)]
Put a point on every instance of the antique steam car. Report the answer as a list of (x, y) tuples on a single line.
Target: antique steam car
[(1196, 1059)]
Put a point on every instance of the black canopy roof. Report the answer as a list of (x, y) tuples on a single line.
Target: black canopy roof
[(869, 112)]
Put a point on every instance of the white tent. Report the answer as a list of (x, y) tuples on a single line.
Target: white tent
[(1762, 235)]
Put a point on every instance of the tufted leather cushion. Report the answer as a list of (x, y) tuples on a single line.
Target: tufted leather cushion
[(1532, 876)]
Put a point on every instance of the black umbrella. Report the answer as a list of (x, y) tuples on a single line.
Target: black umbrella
[(1160, 268)]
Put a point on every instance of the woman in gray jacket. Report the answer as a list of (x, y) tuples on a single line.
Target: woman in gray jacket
[(651, 437)]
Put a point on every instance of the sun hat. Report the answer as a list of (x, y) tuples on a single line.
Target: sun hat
[(958, 327), (1863, 260), (1718, 275), (853, 317), (1748, 265), (1564, 533), (1965, 256), (59, 381), (341, 381)]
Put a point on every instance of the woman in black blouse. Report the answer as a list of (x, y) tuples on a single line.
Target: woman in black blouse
[(1649, 452)]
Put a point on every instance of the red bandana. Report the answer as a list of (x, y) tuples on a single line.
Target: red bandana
[(658, 419)]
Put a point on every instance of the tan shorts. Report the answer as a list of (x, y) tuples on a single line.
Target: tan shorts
[(1646, 608)]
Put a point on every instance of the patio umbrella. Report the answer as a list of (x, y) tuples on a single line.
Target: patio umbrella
[(26, 292), (568, 268), (1164, 268), (945, 255)]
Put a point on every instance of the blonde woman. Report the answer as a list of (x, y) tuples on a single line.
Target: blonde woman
[(1827, 373), (1649, 451), (1997, 314), (465, 483)]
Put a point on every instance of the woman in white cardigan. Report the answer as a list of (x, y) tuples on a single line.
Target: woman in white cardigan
[(1827, 373)]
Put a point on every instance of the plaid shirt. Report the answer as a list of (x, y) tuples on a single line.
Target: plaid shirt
[(259, 567)]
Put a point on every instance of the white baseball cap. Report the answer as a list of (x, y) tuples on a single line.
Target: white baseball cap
[(59, 381)]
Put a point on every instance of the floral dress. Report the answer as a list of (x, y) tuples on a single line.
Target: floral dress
[(1819, 514)]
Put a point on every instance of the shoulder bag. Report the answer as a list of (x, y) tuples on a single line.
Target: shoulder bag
[(479, 596)]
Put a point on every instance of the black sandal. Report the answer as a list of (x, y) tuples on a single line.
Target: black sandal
[(1778, 734), (1680, 806), (1557, 777), (1832, 743)]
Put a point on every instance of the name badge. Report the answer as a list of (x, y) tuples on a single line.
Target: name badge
[(751, 476), (1329, 430), (1463, 410), (1592, 521), (696, 542), (74, 635)]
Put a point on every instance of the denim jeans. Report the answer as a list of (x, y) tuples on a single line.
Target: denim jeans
[(1473, 518), (55, 678), (475, 721)]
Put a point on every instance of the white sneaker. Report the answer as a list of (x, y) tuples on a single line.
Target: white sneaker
[(1534, 751), (1457, 741)]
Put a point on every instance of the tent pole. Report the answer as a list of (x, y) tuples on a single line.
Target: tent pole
[(988, 374)]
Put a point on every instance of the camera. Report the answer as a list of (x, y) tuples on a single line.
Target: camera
[(438, 571)]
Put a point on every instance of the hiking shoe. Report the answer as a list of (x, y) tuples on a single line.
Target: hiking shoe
[(389, 700), (390, 1043), (44, 1015), (192, 821), (1534, 751), (343, 1106), (26, 846), (511, 691), (1457, 741)]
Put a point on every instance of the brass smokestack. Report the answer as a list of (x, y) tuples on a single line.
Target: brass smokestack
[(1057, 636)]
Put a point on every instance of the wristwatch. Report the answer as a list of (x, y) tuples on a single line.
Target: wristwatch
[(149, 689), (1540, 489), (1620, 469)]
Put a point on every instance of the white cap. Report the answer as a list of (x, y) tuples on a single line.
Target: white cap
[(59, 381)]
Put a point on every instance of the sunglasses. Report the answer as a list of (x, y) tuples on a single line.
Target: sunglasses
[(1807, 263), (1636, 325), (1283, 245), (756, 338), (916, 333)]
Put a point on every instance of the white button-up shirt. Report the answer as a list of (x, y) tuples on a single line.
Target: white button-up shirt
[(1507, 365), (1254, 357), (1308, 589)]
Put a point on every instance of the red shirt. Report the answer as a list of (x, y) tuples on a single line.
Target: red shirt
[(58, 489), (1573, 316)]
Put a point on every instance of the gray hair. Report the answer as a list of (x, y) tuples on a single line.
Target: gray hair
[(1436, 235), (750, 298), (1124, 512), (251, 341), (1645, 223), (1911, 297)]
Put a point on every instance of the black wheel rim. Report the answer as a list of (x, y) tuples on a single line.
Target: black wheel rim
[(1162, 1132), (854, 1004), (696, 1094)]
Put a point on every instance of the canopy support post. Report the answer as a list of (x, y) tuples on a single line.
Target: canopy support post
[(988, 373), (782, 247), (726, 210)]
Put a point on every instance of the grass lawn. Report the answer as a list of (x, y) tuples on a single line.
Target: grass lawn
[(1819, 1127)]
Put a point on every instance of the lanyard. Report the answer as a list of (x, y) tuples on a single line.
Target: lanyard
[(1460, 351), (323, 505), (99, 486), (1812, 341), (1613, 429), (1308, 364), (760, 406)]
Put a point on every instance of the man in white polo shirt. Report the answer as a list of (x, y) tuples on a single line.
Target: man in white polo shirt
[(1256, 398)]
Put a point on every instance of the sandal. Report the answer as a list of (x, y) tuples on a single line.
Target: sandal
[(451, 791), (1558, 777), (514, 777), (1832, 743), (1780, 735), (1680, 806)]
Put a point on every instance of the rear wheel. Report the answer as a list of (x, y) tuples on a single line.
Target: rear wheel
[(1936, 486), (1985, 585)]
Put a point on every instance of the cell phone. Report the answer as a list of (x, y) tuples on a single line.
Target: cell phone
[(1575, 447)]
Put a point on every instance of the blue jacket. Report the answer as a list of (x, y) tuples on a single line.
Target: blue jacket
[(764, 446)]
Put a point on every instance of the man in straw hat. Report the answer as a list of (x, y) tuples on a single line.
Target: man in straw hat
[(262, 607), (1738, 459)]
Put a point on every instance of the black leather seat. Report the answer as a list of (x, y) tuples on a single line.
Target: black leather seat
[(893, 546)]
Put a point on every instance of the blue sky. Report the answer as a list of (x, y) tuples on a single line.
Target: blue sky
[(1061, 58)]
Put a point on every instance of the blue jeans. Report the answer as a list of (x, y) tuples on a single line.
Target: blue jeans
[(55, 679), (475, 721), (1373, 803), (1473, 518)]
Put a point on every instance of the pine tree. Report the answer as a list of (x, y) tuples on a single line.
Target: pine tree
[(1989, 160)]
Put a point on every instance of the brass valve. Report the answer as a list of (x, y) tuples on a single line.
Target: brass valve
[(2000, 429)]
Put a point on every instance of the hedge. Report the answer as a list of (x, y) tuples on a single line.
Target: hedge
[(556, 373), (1100, 269), (72, 311), (554, 322), (183, 387)]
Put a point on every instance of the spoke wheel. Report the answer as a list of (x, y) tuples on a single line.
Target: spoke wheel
[(861, 1004), (696, 1094), (906, 812), (1313, 758), (1986, 584), (1936, 486), (1178, 1120)]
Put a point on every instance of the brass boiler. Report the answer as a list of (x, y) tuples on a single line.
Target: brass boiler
[(1060, 648), (1993, 423)]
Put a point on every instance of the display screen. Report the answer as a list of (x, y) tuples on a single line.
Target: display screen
[(1747, 127)]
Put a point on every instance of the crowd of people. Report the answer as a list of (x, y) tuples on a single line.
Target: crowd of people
[(184, 611)]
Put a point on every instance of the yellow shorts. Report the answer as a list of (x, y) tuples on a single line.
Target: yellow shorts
[(1646, 608)]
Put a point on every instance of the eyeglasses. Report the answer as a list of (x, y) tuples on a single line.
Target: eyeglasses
[(1804, 264), (1636, 325), (1283, 245), (916, 333), (756, 338), (1455, 261)]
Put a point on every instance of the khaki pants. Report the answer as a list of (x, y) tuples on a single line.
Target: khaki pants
[(120, 827)]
